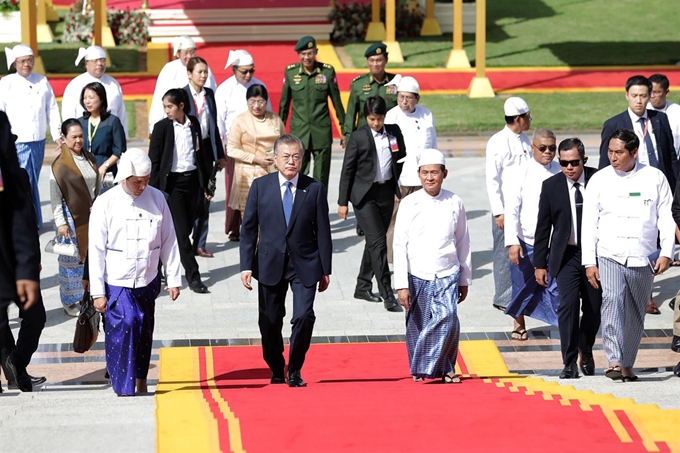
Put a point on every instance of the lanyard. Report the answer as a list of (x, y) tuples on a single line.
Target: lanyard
[(644, 133), (198, 111), (90, 132)]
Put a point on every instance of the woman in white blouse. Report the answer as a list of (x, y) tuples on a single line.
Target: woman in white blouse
[(74, 184)]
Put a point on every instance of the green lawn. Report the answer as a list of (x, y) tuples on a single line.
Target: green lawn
[(560, 32)]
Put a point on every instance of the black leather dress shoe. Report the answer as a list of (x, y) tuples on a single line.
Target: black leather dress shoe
[(197, 286), (587, 363), (675, 344), (360, 232), (277, 379), (35, 381), (367, 295), (570, 371), (391, 304), (17, 377), (295, 380), (676, 370)]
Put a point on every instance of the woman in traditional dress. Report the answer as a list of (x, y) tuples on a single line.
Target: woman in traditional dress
[(104, 133), (251, 145), (74, 184)]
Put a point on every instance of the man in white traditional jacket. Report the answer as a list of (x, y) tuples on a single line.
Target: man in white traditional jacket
[(230, 98), (174, 75), (28, 100), (95, 68), (130, 233)]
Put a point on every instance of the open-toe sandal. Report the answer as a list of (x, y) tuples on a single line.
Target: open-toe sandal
[(451, 378), (614, 373), (522, 335)]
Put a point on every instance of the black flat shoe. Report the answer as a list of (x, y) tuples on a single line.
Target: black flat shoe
[(587, 363), (676, 370), (367, 295), (614, 373), (277, 379), (570, 371), (35, 381), (675, 344), (198, 287), (16, 377), (295, 380), (392, 305), (360, 232)]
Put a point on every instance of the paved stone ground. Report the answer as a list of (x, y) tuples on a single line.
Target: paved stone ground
[(83, 417)]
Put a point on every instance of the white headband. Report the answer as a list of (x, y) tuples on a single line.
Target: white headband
[(133, 162), (239, 57), (183, 42), (20, 50), (91, 53)]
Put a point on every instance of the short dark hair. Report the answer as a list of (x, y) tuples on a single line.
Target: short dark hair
[(100, 91), (638, 80), (193, 61), (288, 139), (629, 138), (571, 143), (511, 119), (375, 105), (178, 96), (661, 79), (66, 125), (257, 90)]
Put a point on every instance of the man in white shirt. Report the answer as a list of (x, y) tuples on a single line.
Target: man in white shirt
[(627, 206), (522, 195), (432, 270), (230, 98), (507, 148), (28, 100), (95, 67), (131, 232), (658, 101), (174, 75), (417, 125)]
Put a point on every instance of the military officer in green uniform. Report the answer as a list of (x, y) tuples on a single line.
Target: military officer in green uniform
[(374, 83), (308, 85)]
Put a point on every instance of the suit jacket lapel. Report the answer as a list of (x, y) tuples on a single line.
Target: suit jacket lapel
[(563, 194), (300, 195), (372, 149)]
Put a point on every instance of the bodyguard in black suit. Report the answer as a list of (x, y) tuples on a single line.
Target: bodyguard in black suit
[(182, 173), (286, 240), (559, 211), (369, 180), (19, 261), (651, 127)]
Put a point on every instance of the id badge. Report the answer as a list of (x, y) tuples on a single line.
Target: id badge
[(394, 146)]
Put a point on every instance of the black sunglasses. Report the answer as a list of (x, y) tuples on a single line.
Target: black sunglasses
[(543, 148), (574, 163)]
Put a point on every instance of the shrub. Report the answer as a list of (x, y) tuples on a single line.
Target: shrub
[(350, 21), (78, 26), (8, 6), (127, 27)]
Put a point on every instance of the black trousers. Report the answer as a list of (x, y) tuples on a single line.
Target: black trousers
[(32, 324), (374, 214), (576, 295), (272, 309), (184, 195)]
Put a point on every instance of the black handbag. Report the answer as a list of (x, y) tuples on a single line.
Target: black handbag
[(87, 325)]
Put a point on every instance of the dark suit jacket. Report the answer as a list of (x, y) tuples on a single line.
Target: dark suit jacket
[(359, 165), (162, 147), (214, 132), (554, 213), (19, 242), (668, 159), (307, 239)]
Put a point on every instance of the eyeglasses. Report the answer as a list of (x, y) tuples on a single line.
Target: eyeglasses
[(25, 61), (246, 71), (257, 103), (544, 148), (287, 157), (187, 52), (402, 98), (573, 163)]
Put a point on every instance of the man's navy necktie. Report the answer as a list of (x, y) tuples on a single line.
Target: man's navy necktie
[(287, 201), (578, 199), (653, 161)]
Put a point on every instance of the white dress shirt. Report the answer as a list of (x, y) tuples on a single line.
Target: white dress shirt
[(70, 103), (431, 238), (293, 187), (230, 98), (573, 237), (183, 159), (522, 194), (639, 129), (127, 237), (504, 150), (623, 213), (30, 105), (672, 111), (383, 171), (419, 134), (202, 112), (173, 75)]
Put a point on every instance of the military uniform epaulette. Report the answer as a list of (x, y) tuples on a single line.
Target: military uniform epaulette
[(358, 77), (327, 66), (291, 66)]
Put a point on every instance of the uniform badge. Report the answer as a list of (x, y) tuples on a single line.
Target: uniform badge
[(297, 78), (320, 79), (367, 87), (391, 89)]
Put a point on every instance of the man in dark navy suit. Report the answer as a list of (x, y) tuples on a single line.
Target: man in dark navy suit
[(559, 211), (286, 240), (654, 131)]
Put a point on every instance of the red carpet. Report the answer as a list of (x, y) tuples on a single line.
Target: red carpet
[(361, 398)]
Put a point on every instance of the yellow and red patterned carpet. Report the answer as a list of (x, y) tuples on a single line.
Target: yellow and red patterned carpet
[(360, 398)]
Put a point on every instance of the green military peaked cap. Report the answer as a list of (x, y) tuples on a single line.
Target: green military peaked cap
[(377, 48), (305, 43)]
